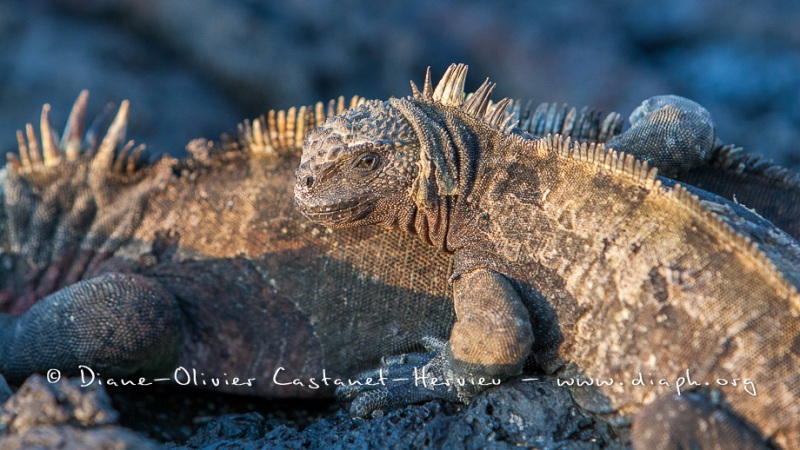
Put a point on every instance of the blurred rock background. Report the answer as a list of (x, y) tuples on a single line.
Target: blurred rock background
[(196, 68)]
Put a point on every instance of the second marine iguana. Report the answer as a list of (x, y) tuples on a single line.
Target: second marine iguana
[(570, 253), (134, 268)]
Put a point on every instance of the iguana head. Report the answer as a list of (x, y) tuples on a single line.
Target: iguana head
[(396, 161), (356, 166)]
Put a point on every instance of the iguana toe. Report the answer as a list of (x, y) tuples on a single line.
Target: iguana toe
[(401, 380)]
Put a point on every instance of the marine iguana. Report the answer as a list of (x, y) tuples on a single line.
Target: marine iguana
[(570, 252), (127, 267)]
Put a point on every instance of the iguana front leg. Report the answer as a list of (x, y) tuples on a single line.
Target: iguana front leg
[(492, 335), (489, 342), (117, 324)]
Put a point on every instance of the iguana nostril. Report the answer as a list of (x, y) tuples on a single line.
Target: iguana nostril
[(309, 181)]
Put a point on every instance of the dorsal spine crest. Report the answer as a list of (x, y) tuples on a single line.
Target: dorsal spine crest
[(280, 132), (732, 158), (40, 154)]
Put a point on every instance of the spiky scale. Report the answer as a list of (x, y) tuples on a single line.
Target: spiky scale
[(33, 147), (106, 153), (24, 157), (74, 130), (52, 157)]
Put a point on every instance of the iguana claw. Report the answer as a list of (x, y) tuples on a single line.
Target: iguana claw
[(401, 380)]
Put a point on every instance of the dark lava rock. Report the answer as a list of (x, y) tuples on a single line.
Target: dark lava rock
[(516, 414)]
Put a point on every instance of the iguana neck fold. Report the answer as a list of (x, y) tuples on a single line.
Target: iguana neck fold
[(445, 169)]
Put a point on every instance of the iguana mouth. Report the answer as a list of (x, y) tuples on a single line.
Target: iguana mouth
[(336, 213)]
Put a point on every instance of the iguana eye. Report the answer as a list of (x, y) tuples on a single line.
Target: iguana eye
[(368, 161)]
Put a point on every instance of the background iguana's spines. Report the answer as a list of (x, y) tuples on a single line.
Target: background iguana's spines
[(733, 159), (74, 130), (20, 161), (98, 128), (588, 124), (40, 156), (33, 147), (109, 148), (68, 206), (51, 156), (282, 132)]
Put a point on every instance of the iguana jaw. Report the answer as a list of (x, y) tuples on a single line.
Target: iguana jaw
[(335, 214)]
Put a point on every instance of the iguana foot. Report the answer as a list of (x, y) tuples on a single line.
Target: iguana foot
[(488, 343), (116, 324), (691, 420), (401, 380), (670, 132)]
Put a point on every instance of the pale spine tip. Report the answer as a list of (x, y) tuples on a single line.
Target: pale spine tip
[(73, 132), (33, 147), (49, 141), (113, 139)]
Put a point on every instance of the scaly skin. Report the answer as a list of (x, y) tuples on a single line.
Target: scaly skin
[(203, 263), (572, 253), (696, 157)]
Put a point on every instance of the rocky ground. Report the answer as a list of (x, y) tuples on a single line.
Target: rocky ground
[(197, 67), (516, 414)]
